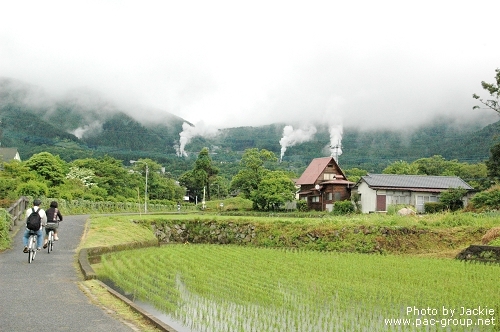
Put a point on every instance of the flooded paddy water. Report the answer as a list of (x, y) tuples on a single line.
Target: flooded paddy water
[(228, 288)]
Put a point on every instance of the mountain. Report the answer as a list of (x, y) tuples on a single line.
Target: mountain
[(84, 124)]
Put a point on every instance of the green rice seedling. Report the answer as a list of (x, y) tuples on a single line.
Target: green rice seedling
[(274, 290)]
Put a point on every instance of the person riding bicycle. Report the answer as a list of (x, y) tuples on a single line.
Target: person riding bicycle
[(54, 216), (39, 234)]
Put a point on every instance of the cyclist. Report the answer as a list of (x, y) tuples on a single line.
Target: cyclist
[(53, 218), (39, 234)]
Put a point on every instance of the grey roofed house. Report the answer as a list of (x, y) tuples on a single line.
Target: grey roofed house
[(9, 154), (378, 191)]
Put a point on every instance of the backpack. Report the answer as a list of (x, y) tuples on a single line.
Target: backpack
[(34, 221)]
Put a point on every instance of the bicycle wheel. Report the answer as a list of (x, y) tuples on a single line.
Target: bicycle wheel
[(31, 249), (50, 242)]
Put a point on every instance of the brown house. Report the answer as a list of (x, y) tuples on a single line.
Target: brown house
[(323, 183)]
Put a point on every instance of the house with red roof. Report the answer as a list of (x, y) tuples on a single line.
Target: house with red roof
[(323, 183)]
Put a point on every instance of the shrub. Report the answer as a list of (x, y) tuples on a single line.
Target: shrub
[(32, 188), (302, 205), (434, 207), (452, 198), (343, 207), (8, 187), (489, 199), (5, 239)]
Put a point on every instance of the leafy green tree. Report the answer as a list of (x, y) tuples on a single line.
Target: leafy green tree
[(252, 170), (49, 167), (273, 191), (493, 164), (205, 169), (8, 188), (109, 175), (494, 91), (475, 174), (488, 199), (219, 187), (32, 188), (13, 175), (452, 198), (17, 170), (201, 176), (354, 174), (401, 167), (437, 165)]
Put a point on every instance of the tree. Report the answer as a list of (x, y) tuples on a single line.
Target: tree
[(354, 174), (452, 198), (32, 188), (205, 169), (50, 168), (437, 165), (201, 176), (401, 167), (494, 91), (219, 187), (109, 175), (83, 175), (252, 170), (273, 191), (493, 164)]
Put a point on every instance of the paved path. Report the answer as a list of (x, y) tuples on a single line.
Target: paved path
[(44, 295)]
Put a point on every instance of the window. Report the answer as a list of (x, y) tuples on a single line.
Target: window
[(329, 176), (329, 196), (398, 199), (315, 199)]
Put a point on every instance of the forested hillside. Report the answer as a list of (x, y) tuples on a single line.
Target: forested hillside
[(74, 130)]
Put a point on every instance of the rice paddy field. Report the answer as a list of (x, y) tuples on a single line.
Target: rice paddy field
[(236, 288)]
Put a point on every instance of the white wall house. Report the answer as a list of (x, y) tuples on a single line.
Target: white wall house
[(378, 191), (9, 154)]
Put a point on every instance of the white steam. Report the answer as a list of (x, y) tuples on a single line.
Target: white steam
[(89, 129), (292, 137), (336, 132), (188, 132)]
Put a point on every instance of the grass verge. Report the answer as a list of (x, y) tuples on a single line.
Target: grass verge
[(102, 298)]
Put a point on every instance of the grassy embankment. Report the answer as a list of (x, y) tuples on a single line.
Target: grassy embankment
[(108, 232)]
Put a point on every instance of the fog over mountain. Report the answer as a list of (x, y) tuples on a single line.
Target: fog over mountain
[(222, 64)]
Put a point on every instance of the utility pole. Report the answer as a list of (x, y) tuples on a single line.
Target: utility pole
[(146, 187)]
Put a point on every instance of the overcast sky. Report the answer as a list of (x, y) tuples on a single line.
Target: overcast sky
[(239, 63)]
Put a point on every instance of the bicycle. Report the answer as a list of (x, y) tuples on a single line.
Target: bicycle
[(50, 241), (32, 241)]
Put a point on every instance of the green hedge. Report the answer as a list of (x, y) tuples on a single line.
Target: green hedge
[(5, 239), (343, 207), (434, 207)]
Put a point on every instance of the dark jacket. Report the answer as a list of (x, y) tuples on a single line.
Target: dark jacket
[(53, 215)]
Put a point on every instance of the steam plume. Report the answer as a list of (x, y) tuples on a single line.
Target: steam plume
[(292, 137), (188, 132), (336, 132)]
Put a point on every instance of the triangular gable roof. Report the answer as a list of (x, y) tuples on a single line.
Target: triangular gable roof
[(389, 181), (315, 168)]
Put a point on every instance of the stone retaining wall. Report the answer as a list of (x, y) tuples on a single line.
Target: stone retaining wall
[(480, 253), (206, 233)]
